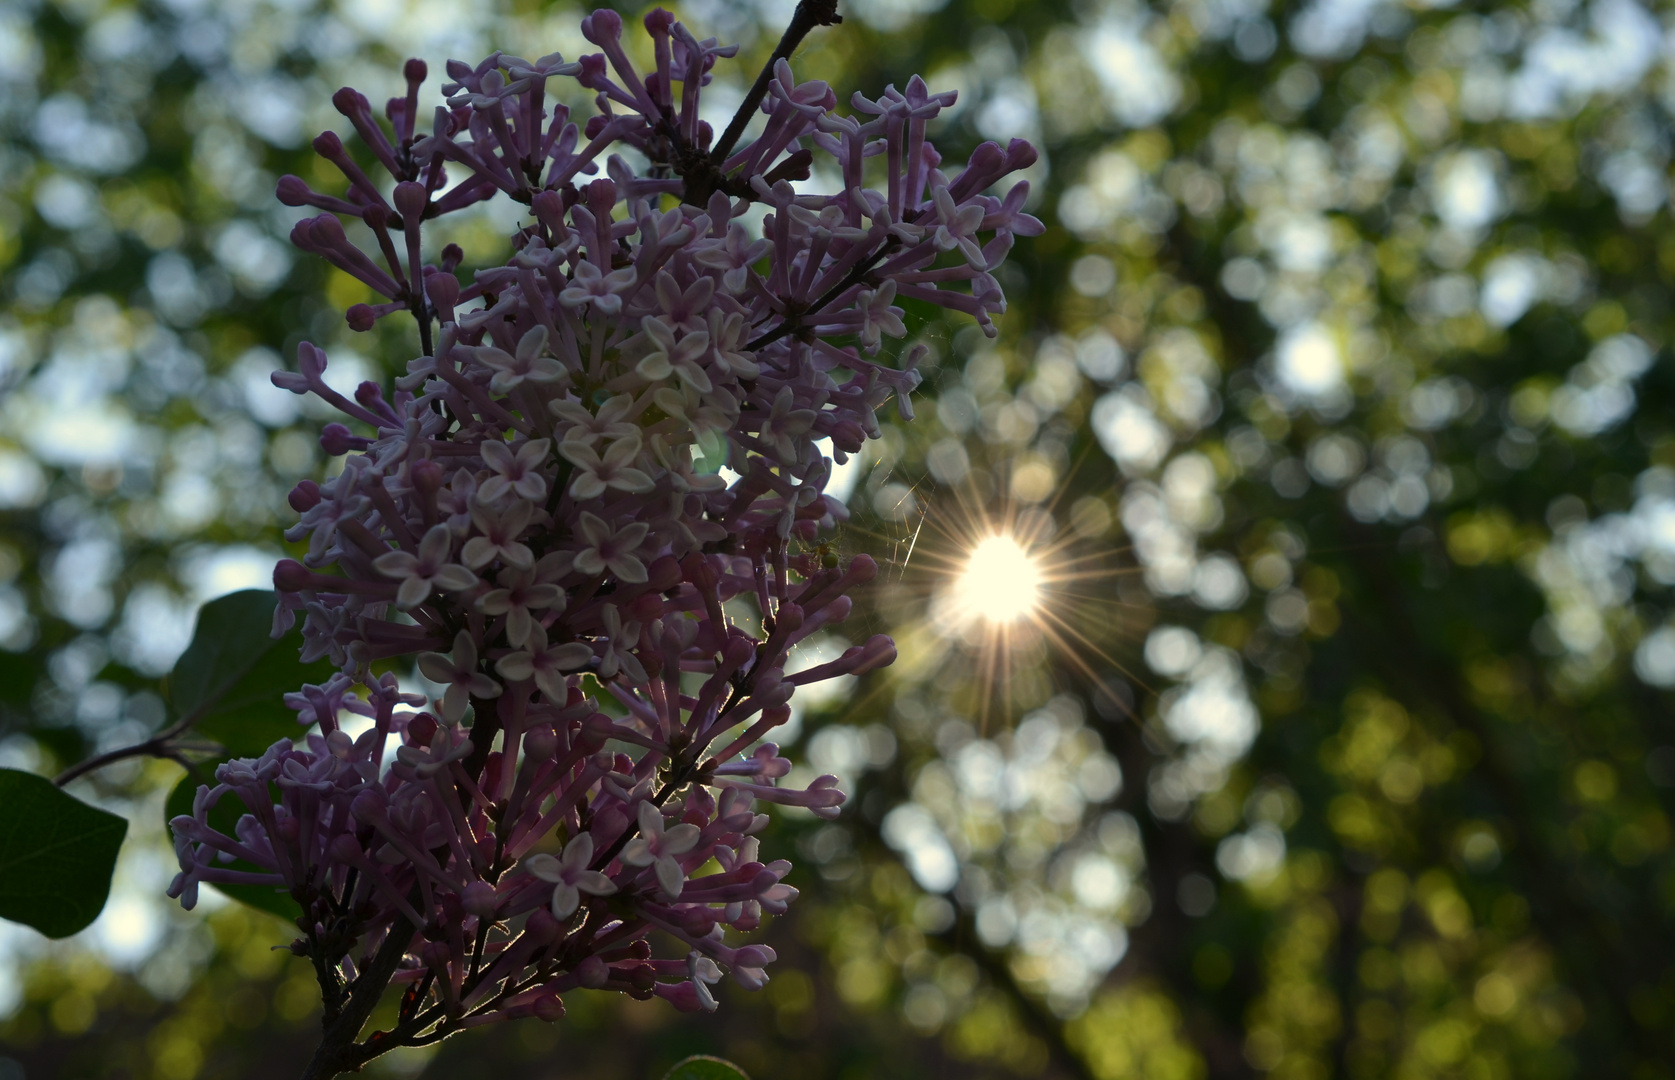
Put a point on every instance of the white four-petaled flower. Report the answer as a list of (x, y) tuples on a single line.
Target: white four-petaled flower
[(458, 672), (604, 548), (498, 536), (957, 227), (878, 317), (524, 591), (543, 663), (657, 847), (517, 473), (427, 571), (603, 291), (584, 427), (570, 875), (528, 362), (667, 356), (614, 469)]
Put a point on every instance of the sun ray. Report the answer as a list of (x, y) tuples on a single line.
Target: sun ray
[(998, 600)]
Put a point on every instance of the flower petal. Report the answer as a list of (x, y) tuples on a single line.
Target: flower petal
[(670, 877), (681, 839), (565, 900), (542, 866)]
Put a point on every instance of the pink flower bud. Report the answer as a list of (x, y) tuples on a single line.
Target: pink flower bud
[(421, 729), (367, 807), (293, 190), (410, 200), (305, 496), (336, 439), (738, 651), (879, 651), (426, 475), (480, 899), (542, 928), (549, 210), (292, 576), (348, 102), (443, 289), (697, 921), (328, 145), (593, 973), (602, 26), (788, 618), (596, 730), (754, 956), (541, 744), (601, 193), (663, 574)]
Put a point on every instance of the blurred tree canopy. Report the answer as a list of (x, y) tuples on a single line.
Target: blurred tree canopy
[(1334, 404)]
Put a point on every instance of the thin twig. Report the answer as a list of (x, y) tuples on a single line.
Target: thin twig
[(809, 14), (159, 745)]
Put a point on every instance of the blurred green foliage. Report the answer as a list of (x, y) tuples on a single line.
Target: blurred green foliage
[(1335, 402)]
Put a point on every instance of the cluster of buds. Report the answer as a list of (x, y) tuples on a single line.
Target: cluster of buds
[(593, 511)]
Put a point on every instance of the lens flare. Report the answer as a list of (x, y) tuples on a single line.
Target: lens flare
[(1001, 603), (1001, 581)]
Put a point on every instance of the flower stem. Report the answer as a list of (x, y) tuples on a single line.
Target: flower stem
[(809, 14), (338, 1052)]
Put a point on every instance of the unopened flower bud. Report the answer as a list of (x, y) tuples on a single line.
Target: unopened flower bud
[(410, 200), (426, 475), (293, 190), (480, 899), (593, 973), (344, 849), (337, 439), (542, 928), (292, 576), (540, 744), (305, 496), (421, 729)]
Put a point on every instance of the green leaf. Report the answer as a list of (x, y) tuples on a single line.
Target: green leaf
[(56, 855), (703, 1067), (234, 676), (223, 817)]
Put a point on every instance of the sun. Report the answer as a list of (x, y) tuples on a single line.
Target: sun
[(1001, 582), (999, 603)]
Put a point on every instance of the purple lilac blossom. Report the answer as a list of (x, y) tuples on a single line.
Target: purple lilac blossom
[(537, 512)]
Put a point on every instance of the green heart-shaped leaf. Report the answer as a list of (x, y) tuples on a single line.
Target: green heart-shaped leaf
[(56, 855), (233, 678), (703, 1067)]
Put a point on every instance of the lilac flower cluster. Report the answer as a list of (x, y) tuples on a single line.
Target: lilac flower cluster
[(592, 511)]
